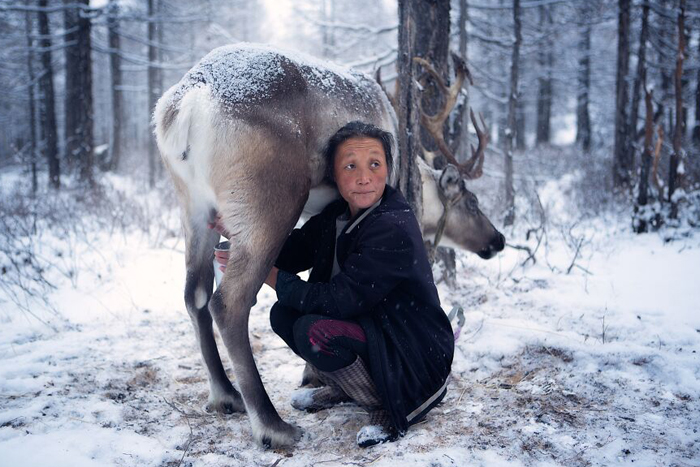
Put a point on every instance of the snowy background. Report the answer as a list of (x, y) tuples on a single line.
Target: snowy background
[(581, 340), (587, 358)]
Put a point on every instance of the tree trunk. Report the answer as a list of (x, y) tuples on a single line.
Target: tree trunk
[(621, 161), (696, 128), (72, 93), (463, 20), (78, 107), (639, 79), (520, 125), (544, 96), (423, 32), (116, 78), (160, 30), (583, 117), (152, 92), (459, 134), (512, 108), (640, 222), (30, 91), (47, 112), (328, 32), (666, 80), (677, 156)]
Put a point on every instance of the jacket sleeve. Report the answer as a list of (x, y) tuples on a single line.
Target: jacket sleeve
[(299, 250), (383, 259)]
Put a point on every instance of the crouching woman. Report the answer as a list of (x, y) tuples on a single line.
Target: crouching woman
[(368, 320)]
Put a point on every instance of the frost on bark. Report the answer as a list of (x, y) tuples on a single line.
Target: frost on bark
[(424, 29)]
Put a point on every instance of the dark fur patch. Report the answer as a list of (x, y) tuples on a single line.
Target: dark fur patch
[(169, 117)]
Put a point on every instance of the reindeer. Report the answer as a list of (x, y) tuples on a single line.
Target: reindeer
[(242, 136)]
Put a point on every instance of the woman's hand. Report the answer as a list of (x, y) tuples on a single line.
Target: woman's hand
[(221, 258), (272, 278)]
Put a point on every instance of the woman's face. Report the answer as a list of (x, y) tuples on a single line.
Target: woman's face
[(360, 172)]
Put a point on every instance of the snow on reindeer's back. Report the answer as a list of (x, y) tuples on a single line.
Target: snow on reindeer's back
[(249, 74)]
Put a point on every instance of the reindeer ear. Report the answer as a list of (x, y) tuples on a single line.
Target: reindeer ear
[(450, 181)]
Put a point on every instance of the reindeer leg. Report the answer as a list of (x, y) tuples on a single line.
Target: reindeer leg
[(266, 204), (198, 290)]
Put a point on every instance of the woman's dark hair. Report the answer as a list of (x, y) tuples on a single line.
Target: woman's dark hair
[(357, 129)]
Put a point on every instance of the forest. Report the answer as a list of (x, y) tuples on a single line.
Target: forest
[(576, 123)]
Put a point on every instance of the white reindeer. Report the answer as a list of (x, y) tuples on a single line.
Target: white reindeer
[(242, 136)]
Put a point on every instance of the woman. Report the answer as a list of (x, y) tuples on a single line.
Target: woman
[(369, 318)]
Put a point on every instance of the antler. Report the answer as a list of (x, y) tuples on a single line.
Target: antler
[(392, 98), (434, 123)]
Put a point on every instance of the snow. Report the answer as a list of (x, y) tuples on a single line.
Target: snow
[(246, 73), (302, 398), (596, 367)]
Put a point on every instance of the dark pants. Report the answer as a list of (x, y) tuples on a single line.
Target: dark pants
[(328, 344)]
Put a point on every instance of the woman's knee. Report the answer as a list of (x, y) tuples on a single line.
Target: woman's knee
[(282, 319), (302, 327)]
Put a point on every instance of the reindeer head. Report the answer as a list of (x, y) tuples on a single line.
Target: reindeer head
[(449, 206), (444, 185)]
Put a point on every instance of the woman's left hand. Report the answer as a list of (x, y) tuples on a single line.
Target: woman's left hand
[(272, 277)]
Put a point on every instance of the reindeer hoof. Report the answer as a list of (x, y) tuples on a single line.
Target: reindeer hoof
[(280, 435), (228, 404)]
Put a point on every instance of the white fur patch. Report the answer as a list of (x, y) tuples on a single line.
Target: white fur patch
[(200, 297), (432, 206), (187, 143), (319, 197)]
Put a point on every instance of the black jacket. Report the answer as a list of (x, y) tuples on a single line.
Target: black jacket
[(386, 284)]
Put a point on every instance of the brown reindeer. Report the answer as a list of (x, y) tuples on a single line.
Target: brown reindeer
[(242, 136)]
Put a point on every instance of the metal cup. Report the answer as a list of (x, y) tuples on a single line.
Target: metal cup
[(218, 274)]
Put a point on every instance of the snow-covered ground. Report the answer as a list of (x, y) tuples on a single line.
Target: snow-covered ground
[(597, 367)]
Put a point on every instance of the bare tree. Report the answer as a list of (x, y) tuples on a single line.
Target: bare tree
[(512, 108), (640, 78), (677, 155), (30, 91), (47, 111), (153, 87), (458, 135), (116, 84), (621, 158), (546, 62), (78, 98), (696, 127), (423, 32), (583, 116), (640, 220)]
